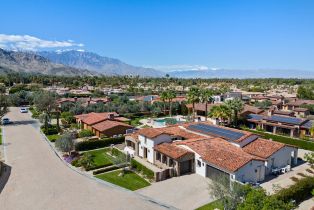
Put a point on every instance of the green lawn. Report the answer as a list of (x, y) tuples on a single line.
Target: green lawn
[(53, 137), (136, 121), (211, 206), (100, 157), (303, 144), (130, 180)]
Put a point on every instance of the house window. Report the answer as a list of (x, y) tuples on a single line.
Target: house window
[(158, 156), (199, 163), (170, 162)]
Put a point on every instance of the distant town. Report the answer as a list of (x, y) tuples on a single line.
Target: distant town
[(154, 135)]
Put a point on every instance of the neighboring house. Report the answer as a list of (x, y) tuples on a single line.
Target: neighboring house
[(301, 112), (106, 123), (178, 99), (200, 109), (210, 151), (248, 109), (83, 101), (295, 127), (296, 103)]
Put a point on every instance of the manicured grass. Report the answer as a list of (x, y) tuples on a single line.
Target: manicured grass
[(130, 180), (100, 157), (136, 121), (303, 144), (211, 206), (53, 137)]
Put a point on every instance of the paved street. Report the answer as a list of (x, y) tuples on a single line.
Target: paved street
[(185, 192), (39, 180)]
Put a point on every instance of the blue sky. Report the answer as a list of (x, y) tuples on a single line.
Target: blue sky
[(166, 34)]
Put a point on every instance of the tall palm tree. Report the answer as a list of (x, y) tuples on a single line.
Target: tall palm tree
[(193, 97), (221, 112), (164, 97), (236, 106), (170, 96), (206, 95)]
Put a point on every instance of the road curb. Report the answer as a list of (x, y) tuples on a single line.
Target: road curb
[(146, 198)]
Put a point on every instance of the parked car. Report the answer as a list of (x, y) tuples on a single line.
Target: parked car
[(23, 110), (6, 121)]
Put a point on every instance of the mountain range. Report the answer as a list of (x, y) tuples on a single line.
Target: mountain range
[(81, 63), (94, 62), (69, 63)]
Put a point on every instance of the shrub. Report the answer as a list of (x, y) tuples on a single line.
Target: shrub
[(85, 133), (299, 192), (103, 170), (95, 144), (52, 129), (139, 167)]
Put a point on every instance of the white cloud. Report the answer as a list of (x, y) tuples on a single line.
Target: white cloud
[(26, 42), (180, 67)]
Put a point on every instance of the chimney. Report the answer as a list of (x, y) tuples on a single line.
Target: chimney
[(111, 116), (75, 99)]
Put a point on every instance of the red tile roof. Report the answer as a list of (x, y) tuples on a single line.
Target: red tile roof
[(170, 130), (93, 118), (108, 124), (263, 148), (173, 151), (221, 153)]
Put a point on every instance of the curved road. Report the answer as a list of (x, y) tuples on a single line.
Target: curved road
[(40, 180)]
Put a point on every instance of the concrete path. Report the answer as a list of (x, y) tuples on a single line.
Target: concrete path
[(184, 192), (39, 180)]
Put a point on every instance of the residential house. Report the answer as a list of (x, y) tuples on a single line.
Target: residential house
[(210, 151), (103, 124)]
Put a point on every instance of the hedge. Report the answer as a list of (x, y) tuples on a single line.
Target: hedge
[(52, 129), (139, 167), (307, 145), (95, 144), (109, 168), (99, 166), (299, 192), (85, 133)]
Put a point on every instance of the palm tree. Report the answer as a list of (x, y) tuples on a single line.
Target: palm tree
[(221, 112), (164, 97), (312, 131), (170, 96), (193, 97), (206, 95), (236, 106)]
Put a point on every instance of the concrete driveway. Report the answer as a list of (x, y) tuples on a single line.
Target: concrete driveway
[(38, 180), (184, 192)]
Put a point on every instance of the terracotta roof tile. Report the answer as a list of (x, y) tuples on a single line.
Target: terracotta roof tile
[(108, 124), (263, 148), (171, 150), (221, 153), (93, 118)]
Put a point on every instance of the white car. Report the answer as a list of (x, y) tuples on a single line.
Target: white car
[(23, 110)]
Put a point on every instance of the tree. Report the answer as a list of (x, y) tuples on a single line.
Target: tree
[(220, 112), (228, 192), (4, 106), (193, 97), (65, 143), (236, 106), (170, 96), (87, 161), (309, 157), (45, 102), (206, 96), (164, 97)]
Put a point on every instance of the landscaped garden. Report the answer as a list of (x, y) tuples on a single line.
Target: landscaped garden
[(53, 137), (128, 179), (217, 204), (99, 158)]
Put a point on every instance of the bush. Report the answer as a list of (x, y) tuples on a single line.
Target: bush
[(52, 129), (95, 144), (139, 167), (103, 170), (85, 133), (299, 192)]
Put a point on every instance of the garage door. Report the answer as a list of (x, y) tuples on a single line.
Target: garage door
[(185, 167), (214, 173)]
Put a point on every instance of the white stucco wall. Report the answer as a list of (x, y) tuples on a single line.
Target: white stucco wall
[(149, 144), (282, 158), (254, 171)]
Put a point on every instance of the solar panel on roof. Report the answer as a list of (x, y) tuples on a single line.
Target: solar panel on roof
[(217, 131), (290, 120)]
